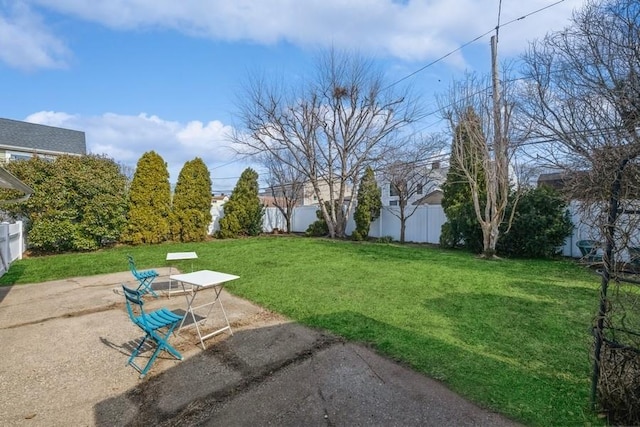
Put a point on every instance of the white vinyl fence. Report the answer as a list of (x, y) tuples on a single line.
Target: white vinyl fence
[(12, 244), (628, 233), (422, 227)]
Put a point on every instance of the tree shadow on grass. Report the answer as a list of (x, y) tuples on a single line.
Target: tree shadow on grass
[(481, 366)]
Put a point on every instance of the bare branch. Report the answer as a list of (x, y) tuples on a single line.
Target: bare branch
[(328, 129)]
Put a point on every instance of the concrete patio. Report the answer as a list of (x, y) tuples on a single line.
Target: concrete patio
[(66, 344)]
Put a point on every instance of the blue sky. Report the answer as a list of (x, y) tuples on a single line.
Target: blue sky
[(163, 75)]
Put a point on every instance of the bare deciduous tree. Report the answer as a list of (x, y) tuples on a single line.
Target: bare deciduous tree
[(471, 111), (286, 185), (410, 172), (583, 99), (329, 128)]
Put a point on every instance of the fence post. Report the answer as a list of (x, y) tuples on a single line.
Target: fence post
[(4, 247), (21, 239)]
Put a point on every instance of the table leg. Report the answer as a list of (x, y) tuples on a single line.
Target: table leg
[(191, 310), (189, 306)]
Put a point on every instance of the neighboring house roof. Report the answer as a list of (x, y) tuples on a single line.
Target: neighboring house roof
[(433, 198), (270, 201), (555, 180), (594, 185), (433, 177), (31, 137)]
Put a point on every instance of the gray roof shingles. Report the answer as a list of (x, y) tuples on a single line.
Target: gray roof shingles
[(33, 137)]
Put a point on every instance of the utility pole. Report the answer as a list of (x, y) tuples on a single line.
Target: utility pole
[(495, 80), (496, 166)]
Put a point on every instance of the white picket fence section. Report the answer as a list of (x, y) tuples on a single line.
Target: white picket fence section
[(12, 244)]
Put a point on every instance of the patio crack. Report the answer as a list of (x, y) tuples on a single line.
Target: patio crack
[(65, 316)]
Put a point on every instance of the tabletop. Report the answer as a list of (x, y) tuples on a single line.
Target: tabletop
[(173, 256), (204, 278)]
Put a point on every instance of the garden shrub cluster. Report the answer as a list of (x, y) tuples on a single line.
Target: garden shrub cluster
[(79, 202), (83, 203), (540, 225)]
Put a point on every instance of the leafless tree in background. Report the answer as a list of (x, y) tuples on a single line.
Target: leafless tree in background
[(410, 172), (329, 128), (286, 185)]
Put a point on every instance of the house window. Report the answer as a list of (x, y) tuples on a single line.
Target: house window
[(393, 190), (15, 157), (419, 189), (393, 203)]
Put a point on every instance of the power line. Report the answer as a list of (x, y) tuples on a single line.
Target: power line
[(435, 61), (246, 156), (470, 42), (479, 91)]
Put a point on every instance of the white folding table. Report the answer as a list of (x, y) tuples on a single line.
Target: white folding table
[(200, 280), (178, 256)]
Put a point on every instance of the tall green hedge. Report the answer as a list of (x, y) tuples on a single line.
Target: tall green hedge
[(243, 212), (369, 205), (191, 207), (149, 202), (78, 203)]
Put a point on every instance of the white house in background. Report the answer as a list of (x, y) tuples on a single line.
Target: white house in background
[(217, 211), (427, 192), (309, 197)]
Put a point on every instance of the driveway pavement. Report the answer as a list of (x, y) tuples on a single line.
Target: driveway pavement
[(66, 343)]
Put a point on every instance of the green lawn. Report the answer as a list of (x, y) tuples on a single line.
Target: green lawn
[(512, 335)]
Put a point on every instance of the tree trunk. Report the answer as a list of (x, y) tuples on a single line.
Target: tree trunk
[(403, 222), (609, 264), (489, 240)]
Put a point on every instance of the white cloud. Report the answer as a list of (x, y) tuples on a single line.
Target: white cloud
[(125, 138), (26, 43), (413, 30)]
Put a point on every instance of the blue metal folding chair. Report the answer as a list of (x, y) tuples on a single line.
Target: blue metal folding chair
[(153, 324), (144, 278)]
